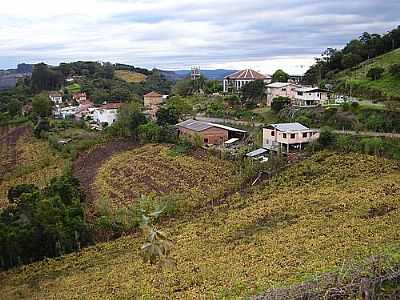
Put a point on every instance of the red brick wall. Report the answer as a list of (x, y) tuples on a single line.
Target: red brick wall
[(212, 135)]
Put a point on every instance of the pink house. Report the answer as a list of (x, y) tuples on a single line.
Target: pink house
[(281, 89), (285, 136)]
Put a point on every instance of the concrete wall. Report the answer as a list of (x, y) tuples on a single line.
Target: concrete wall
[(273, 136)]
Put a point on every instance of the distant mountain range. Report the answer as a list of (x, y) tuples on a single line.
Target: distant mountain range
[(8, 78), (217, 74)]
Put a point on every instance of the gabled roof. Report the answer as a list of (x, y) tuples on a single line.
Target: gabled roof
[(289, 127), (153, 94), (201, 126), (246, 74)]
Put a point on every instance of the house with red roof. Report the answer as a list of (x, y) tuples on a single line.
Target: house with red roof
[(152, 102)]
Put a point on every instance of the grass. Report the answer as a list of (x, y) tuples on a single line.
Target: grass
[(152, 168), (37, 162), (73, 88), (129, 76), (317, 216), (388, 85)]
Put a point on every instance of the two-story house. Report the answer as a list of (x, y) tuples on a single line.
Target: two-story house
[(235, 81), (285, 136), (281, 89), (311, 97), (56, 97)]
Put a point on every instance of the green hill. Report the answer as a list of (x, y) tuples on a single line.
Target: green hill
[(388, 87), (320, 215)]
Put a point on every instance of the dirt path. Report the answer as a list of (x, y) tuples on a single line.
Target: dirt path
[(8, 151), (86, 165)]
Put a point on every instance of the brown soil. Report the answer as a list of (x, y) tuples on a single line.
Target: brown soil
[(86, 165), (8, 151)]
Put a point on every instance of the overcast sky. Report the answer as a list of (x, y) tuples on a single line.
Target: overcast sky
[(174, 34)]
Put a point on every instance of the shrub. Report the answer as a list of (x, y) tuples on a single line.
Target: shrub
[(149, 132), (326, 137), (394, 70), (375, 73), (278, 103)]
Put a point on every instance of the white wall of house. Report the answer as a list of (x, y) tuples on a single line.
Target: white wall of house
[(275, 139), (311, 98), (56, 99), (68, 111), (108, 116)]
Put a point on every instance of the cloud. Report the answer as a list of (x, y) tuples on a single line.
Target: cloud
[(174, 34)]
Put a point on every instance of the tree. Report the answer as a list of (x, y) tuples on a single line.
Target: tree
[(280, 76), (253, 91), (14, 107), (45, 78), (183, 87), (278, 103), (149, 132), (167, 115), (326, 137), (375, 73), (129, 119), (41, 106)]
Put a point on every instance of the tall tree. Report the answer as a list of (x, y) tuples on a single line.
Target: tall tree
[(280, 76)]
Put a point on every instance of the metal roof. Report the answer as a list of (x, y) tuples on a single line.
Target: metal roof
[(289, 127), (201, 126), (310, 89), (231, 141), (256, 152), (278, 84)]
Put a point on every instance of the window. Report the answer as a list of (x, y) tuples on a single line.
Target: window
[(300, 93), (205, 141), (284, 135), (304, 134), (284, 89), (292, 135), (272, 133)]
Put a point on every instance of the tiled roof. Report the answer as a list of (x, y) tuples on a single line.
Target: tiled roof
[(246, 74)]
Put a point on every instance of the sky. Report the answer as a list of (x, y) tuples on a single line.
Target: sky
[(175, 34)]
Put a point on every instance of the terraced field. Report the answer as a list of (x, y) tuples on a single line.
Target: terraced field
[(318, 216), (37, 163), (151, 168)]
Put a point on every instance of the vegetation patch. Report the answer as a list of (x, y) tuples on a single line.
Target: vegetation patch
[(298, 238), (152, 168), (129, 76)]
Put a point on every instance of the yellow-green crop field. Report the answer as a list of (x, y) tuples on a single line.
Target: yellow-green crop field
[(127, 176), (128, 76), (317, 216), (37, 164)]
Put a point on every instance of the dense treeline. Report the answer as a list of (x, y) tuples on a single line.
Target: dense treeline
[(367, 46), (42, 223)]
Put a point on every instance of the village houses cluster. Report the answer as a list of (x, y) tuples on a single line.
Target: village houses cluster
[(282, 137)]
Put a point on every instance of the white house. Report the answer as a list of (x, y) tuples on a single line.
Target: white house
[(68, 111), (234, 82), (284, 136), (56, 97), (281, 89), (107, 113), (310, 97)]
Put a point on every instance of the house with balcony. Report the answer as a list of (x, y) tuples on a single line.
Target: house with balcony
[(284, 137), (311, 97), (235, 81)]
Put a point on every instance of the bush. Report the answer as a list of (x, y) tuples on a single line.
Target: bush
[(326, 137), (372, 146), (278, 103), (41, 128), (149, 132), (394, 70), (42, 223), (375, 73)]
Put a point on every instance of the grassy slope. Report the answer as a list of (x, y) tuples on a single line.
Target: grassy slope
[(317, 216), (128, 76), (150, 168), (37, 164), (388, 85)]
